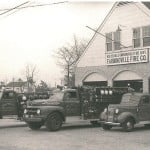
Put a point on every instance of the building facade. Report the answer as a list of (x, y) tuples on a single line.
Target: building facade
[(118, 53)]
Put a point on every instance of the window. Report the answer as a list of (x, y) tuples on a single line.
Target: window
[(145, 99), (109, 41), (8, 95), (113, 41), (141, 37), (146, 36), (70, 95), (117, 40), (136, 38)]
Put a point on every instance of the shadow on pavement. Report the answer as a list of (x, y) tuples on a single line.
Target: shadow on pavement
[(136, 129)]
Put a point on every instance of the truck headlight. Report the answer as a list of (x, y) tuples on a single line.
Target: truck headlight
[(25, 111), (38, 111), (116, 111), (105, 110), (24, 98)]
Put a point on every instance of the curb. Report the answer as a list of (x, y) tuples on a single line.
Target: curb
[(13, 126), (11, 123)]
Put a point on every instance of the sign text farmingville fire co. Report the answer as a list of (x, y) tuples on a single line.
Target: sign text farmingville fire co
[(127, 57)]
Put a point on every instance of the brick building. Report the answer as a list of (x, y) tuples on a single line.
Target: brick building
[(118, 53)]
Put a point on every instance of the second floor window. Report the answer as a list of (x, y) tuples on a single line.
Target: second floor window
[(146, 36), (117, 40), (113, 41), (136, 38), (141, 37), (109, 41)]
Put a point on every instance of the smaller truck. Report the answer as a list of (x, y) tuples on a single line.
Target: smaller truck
[(133, 109), (80, 104), (10, 103)]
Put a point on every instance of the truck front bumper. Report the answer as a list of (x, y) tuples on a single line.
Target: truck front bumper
[(32, 118), (110, 123)]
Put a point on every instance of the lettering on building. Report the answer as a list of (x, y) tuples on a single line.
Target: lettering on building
[(127, 57)]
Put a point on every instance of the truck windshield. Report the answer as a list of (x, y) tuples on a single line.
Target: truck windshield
[(129, 98), (57, 96)]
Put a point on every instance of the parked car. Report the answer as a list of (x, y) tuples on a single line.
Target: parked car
[(133, 109)]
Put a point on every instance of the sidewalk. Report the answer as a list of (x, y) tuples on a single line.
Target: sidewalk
[(9, 122)]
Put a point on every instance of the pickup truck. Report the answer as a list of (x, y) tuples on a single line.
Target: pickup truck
[(133, 109), (85, 104)]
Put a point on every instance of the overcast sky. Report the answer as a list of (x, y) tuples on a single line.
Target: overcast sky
[(29, 36)]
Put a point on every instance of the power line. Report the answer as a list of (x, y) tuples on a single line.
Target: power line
[(14, 8), (38, 5), (104, 35)]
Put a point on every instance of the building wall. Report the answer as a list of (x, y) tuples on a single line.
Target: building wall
[(128, 17), (110, 72)]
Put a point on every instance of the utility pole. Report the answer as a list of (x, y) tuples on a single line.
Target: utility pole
[(13, 83)]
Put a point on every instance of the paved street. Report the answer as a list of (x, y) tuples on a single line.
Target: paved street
[(80, 137)]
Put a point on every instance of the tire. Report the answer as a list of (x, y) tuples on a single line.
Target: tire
[(1, 116), (95, 123), (54, 122), (147, 125), (34, 125), (106, 126), (128, 125)]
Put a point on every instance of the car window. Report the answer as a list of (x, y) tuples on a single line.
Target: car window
[(145, 100), (8, 95)]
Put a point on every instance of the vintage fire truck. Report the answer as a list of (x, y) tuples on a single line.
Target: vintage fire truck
[(81, 103)]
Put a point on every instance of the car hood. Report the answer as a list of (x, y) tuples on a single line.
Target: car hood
[(44, 102), (123, 106)]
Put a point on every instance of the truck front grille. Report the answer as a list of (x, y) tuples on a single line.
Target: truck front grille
[(32, 111)]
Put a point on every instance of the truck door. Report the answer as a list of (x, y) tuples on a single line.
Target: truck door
[(8, 103), (72, 103), (144, 108)]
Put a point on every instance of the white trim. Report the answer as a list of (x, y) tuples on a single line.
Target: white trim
[(127, 75), (94, 77)]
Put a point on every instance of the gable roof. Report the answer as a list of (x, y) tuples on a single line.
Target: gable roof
[(116, 4)]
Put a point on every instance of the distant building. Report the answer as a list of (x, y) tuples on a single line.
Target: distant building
[(20, 86)]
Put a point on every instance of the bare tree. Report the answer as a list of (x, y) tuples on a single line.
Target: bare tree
[(30, 73), (68, 56)]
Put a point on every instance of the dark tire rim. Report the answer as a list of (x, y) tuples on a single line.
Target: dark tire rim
[(54, 122)]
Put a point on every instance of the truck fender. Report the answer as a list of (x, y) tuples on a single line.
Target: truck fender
[(59, 112), (123, 116)]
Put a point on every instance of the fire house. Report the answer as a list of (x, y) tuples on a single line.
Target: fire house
[(118, 53)]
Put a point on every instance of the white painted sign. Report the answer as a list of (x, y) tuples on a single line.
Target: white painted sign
[(127, 57)]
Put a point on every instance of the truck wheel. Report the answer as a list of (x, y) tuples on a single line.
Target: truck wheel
[(34, 125), (1, 117), (147, 125), (54, 122), (95, 123), (128, 125), (106, 126)]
